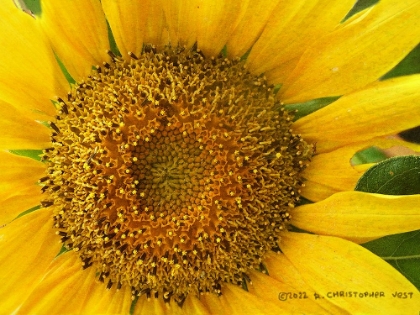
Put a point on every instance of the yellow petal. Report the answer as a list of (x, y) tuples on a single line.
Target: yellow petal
[(332, 172), (235, 300), (243, 302), (127, 20), (105, 301), (250, 26), (195, 306), (19, 169), (359, 16), (292, 27), (76, 290), (18, 191), (358, 216), (19, 131), (29, 73), (191, 305), (182, 20), (78, 33), (156, 27), (330, 264), (387, 107), (316, 191), (395, 141), (147, 306), (27, 247), (214, 22), (281, 269), (216, 304), (15, 201), (333, 169), (356, 54)]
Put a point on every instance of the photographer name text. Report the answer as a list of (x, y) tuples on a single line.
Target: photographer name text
[(285, 296)]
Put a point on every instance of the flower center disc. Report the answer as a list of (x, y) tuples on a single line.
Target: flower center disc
[(172, 173)]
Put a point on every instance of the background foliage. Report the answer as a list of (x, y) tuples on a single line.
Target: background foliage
[(396, 176)]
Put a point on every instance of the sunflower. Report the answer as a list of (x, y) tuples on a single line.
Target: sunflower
[(172, 170)]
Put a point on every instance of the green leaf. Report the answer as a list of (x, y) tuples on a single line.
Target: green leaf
[(33, 154), (306, 108), (370, 155), (411, 135), (62, 251), (112, 42), (33, 5), (396, 176), (28, 211), (224, 51), (133, 305), (402, 251), (359, 6), (409, 65), (66, 73)]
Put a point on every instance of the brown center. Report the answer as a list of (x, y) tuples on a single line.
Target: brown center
[(172, 173)]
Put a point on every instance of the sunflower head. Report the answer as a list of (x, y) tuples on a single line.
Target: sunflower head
[(172, 169), (172, 173)]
